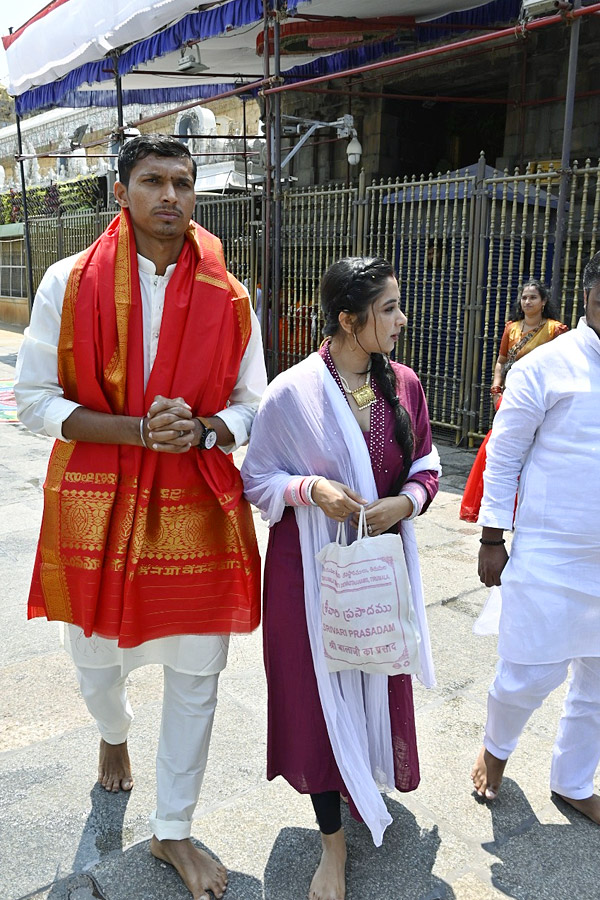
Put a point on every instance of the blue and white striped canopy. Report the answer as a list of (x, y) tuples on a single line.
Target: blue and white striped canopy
[(66, 54)]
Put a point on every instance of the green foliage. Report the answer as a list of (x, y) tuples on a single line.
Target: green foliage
[(51, 200), (7, 108)]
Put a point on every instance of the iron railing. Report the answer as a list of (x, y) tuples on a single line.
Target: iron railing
[(13, 272), (461, 243)]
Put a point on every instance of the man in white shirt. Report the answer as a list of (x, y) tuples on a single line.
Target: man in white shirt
[(547, 432), (144, 360)]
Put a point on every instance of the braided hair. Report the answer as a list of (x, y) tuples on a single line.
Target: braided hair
[(352, 285)]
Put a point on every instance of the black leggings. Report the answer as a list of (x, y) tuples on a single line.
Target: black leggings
[(327, 811)]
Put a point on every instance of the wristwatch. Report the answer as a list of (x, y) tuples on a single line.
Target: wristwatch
[(208, 437)]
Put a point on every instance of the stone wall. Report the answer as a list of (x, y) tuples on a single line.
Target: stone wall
[(405, 137), (46, 137), (536, 134)]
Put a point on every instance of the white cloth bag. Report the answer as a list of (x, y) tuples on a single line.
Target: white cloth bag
[(488, 621), (367, 612)]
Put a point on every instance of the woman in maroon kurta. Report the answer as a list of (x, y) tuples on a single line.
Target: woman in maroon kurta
[(360, 301)]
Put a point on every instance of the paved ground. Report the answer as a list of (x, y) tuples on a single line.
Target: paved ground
[(62, 838)]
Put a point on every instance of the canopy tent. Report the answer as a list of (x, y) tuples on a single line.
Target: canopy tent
[(69, 53)]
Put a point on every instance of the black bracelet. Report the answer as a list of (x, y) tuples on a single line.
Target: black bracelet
[(492, 543)]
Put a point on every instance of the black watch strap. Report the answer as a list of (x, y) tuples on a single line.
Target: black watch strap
[(208, 437)]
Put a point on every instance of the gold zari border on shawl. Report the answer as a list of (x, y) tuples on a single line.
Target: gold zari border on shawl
[(52, 572), (116, 371), (241, 304), (53, 577), (215, 282), (66, 356)]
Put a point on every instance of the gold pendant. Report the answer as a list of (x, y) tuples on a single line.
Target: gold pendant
[(364, 396)]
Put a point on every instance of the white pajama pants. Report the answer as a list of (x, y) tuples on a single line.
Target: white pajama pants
[(189, 703), (518, 690)]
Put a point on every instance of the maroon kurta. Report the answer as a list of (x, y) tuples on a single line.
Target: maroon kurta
[(298, 745)]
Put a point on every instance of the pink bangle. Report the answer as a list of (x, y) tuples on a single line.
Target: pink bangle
[(295, 492), (417, 493), (304, 485)]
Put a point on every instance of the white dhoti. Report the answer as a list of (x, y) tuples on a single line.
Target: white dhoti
[(518, 690), (189, 703), (547, 431)]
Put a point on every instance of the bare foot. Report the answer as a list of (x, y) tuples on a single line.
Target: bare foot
[(114, 768), (329, 881), (199, 872), (590, 807), (487, 774)]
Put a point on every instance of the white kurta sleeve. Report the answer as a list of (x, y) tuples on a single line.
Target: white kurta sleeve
[(249, 388), (41, 405), (521, 413)]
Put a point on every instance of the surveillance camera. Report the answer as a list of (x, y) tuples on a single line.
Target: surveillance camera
[(354, 151), (533, 8)]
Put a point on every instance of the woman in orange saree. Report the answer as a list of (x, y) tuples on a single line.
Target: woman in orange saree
[(534, 323)]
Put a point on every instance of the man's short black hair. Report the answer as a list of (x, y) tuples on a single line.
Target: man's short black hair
[(150, 145), (591, 273)]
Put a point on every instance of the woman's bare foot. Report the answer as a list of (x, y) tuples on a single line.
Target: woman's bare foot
[(487, 774), (329, 881), (199, 872), (589, 807), (114, 768)]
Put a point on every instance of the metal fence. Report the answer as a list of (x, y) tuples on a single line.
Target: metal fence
[(55, 237), (236, 220), (317, 229), (13, 273), (461, 243)]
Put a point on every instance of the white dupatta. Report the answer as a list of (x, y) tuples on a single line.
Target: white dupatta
[(304, 426)]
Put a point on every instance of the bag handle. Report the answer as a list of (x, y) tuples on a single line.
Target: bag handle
[(362, 533), (362, 525), (341, 537)]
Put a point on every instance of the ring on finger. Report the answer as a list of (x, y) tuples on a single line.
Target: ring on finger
[(370, 529), (181, 433)]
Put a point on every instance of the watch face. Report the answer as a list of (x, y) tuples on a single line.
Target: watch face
[(210, 438)]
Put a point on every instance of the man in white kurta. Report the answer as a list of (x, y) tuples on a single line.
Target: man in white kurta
[(547, 433), (191, 662)]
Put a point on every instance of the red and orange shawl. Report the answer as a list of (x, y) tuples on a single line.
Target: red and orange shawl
[(135, 544)]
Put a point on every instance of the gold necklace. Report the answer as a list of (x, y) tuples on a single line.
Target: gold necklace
[(364, 396), (530, 327)]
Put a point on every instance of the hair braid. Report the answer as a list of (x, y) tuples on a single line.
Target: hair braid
[(352, 285), (383, 373)]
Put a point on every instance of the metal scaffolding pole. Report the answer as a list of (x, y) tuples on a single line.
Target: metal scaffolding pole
[(276, 131), (565, 168), (119, 88), (25, 215), (266, 318)]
